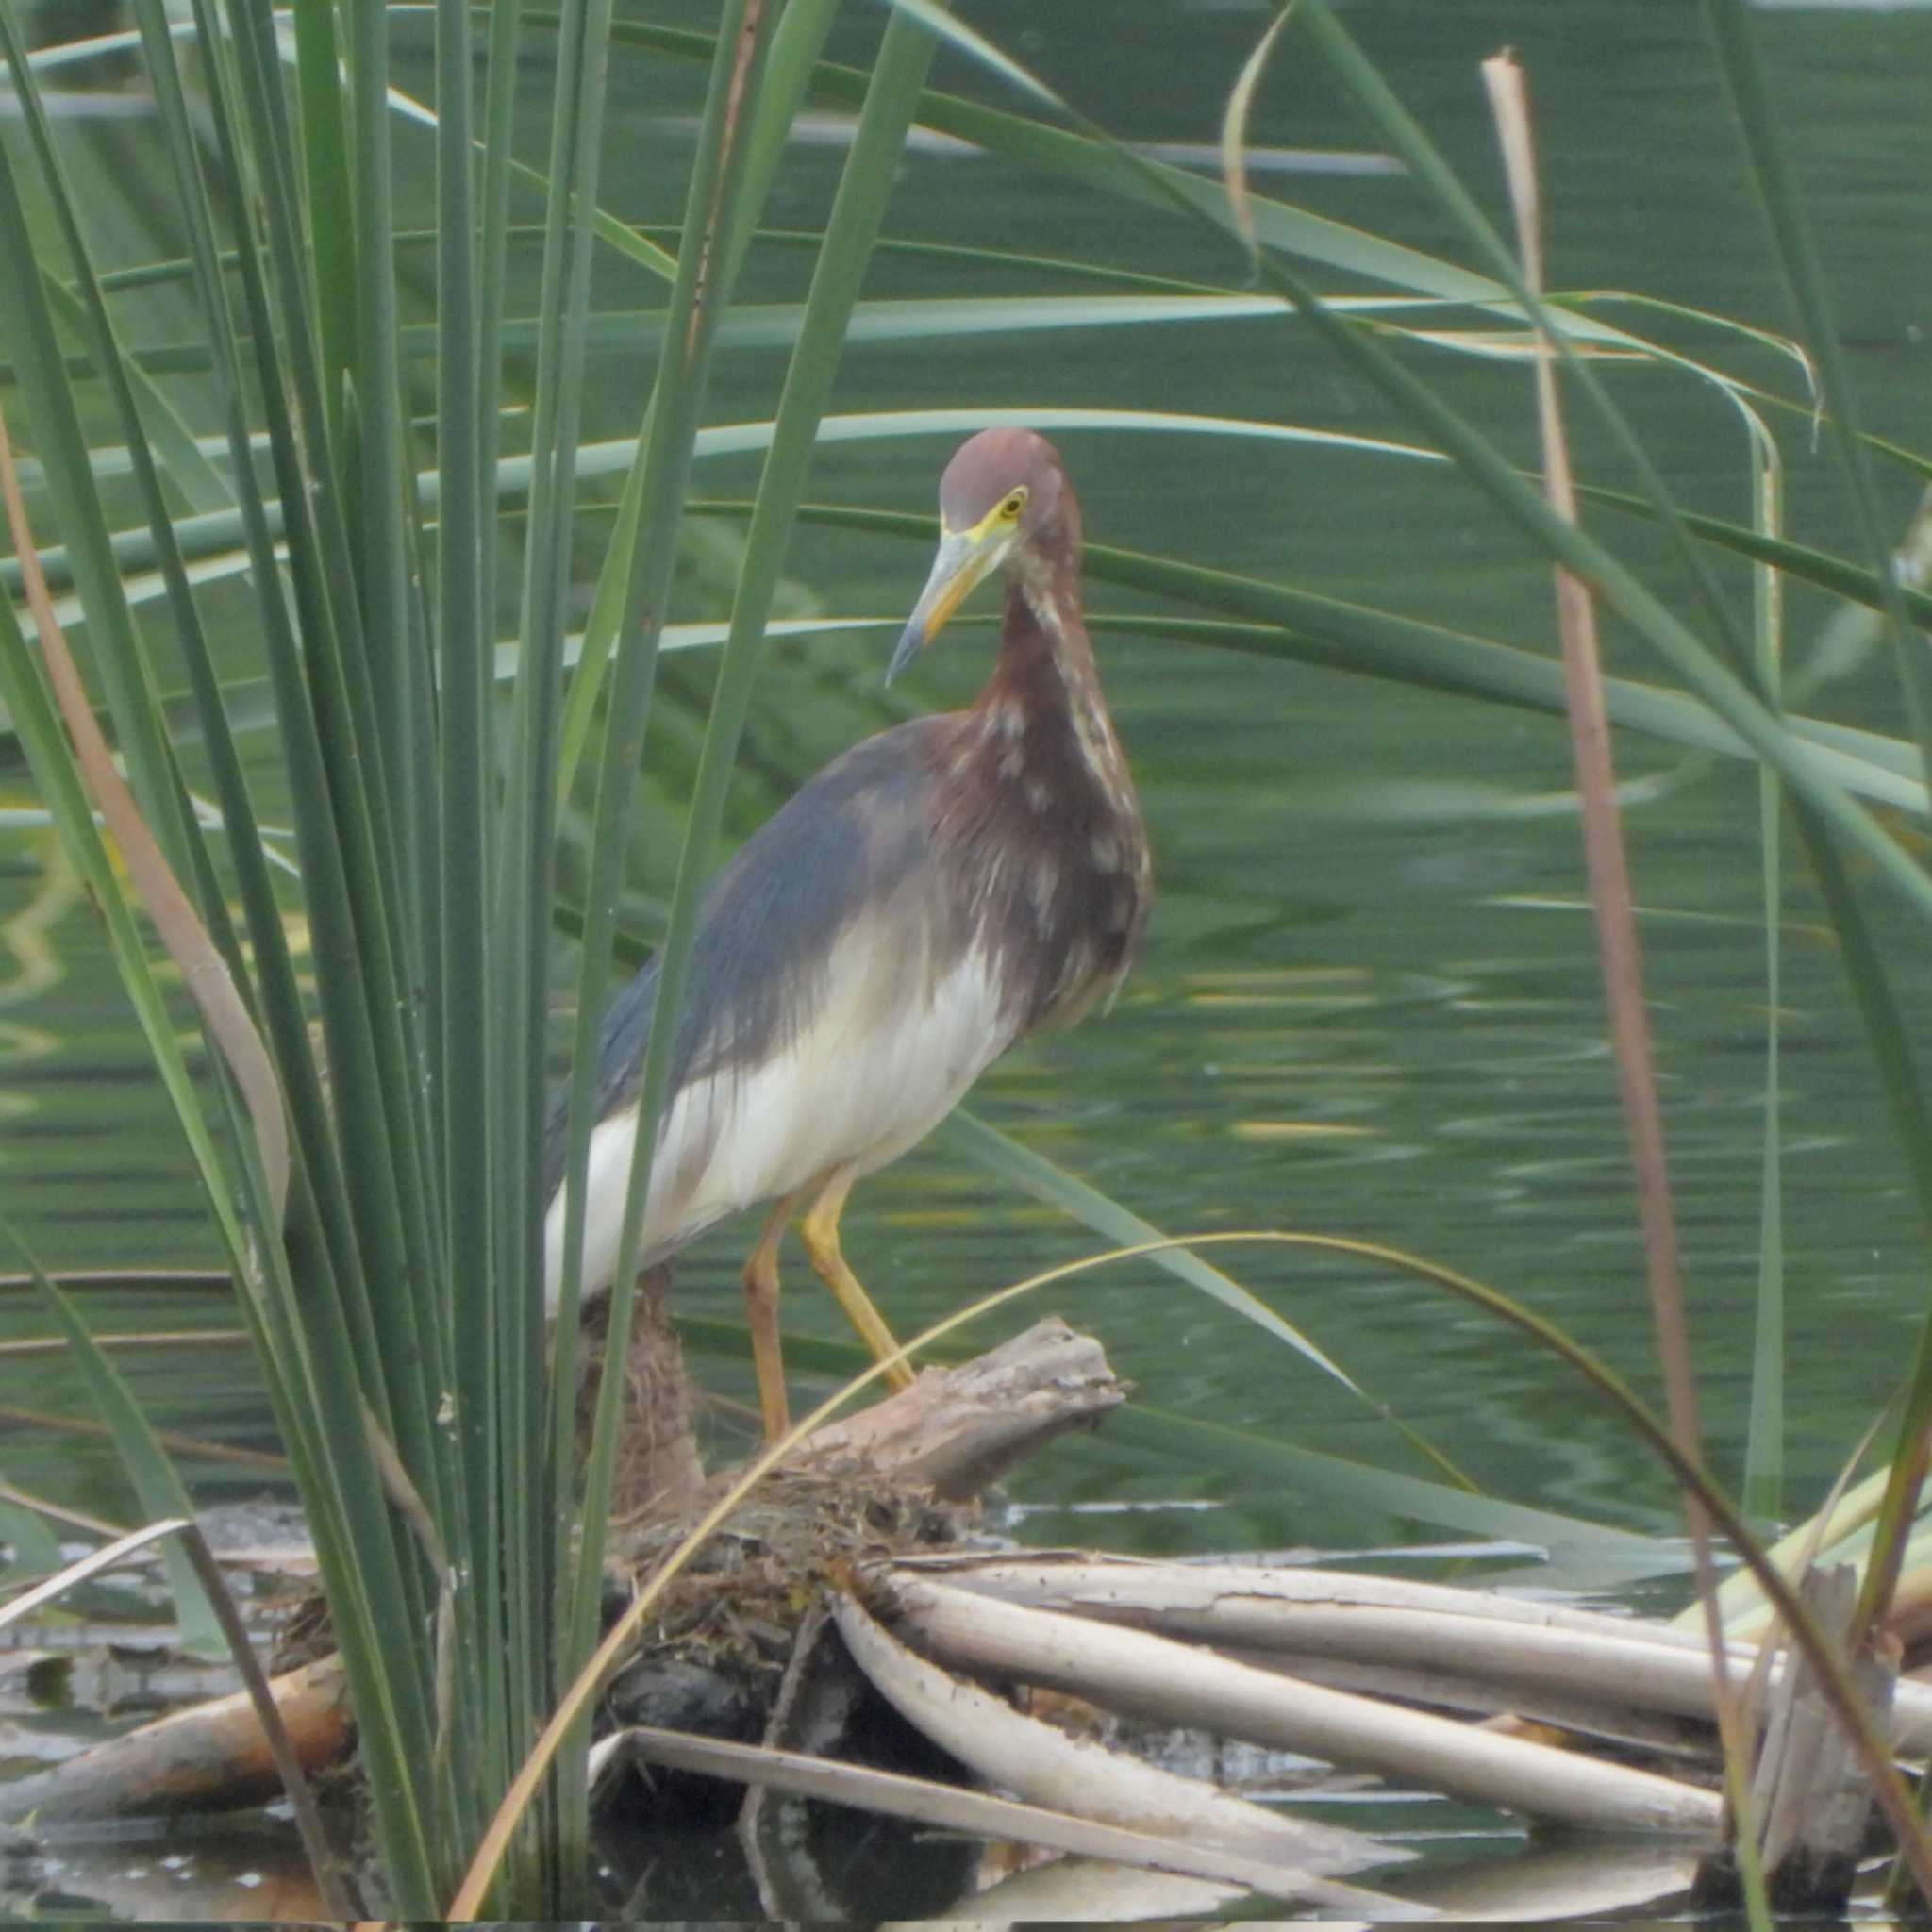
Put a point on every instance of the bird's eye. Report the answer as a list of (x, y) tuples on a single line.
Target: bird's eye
[(1011, 508)]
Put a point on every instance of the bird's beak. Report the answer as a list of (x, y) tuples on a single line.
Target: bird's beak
[(965, 556)]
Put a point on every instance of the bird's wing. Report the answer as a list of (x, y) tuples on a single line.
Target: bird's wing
[(842, 850), (620, 1059)]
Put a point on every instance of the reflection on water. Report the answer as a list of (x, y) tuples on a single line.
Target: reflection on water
[(236, 1873)]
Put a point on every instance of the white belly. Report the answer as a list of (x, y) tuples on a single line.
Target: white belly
[(881, 1060)]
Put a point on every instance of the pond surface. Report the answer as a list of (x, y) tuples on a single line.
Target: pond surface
[(1369, 1000)]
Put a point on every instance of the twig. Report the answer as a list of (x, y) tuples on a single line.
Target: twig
[(1000, 1818)]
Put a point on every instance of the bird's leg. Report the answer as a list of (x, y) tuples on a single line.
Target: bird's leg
[(761, 1318), (819, 1231)]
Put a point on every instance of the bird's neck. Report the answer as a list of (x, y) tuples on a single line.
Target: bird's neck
[(1042, 705), (1034, 815)]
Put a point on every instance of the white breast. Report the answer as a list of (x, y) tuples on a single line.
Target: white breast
[(881, 1057)]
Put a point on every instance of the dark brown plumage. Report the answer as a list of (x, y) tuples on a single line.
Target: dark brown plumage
[(936, 894)]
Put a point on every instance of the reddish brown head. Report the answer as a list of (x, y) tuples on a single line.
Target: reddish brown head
[(1005, 501)]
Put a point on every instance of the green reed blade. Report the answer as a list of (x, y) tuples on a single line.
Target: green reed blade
[(143, 1461), (1767, 150), (1765, 1428)]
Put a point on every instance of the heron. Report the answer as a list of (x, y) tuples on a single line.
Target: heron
[(941, 891)]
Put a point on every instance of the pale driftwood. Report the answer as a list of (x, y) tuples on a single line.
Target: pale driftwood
[(1540, 1659), (1376, 1618), (1046, 1766), (1218, 1599), (1621, 1724), (1810, 1797), (960, 1430), (949, 1808), (1172, 1683), (212, 1756)]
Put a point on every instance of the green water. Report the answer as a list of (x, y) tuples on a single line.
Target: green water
[(1368, 1002)]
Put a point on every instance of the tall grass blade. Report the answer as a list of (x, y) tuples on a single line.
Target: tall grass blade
[(137, 402), (302, 737), (143, 1461), (1620, 961), (1742, 65), (456, 798), (609, 602), (1234, 131), (85, 314), (1764, 1430), (208, 536), (326, 147), (339, 791), (964, 1133), (33, 1549), (253, 1249), (525, 886), (1761, 729), (1001, 1156), (282, 997), (1620, 964), (1111, 170), (27, 328), (1765, 149), (716, 213), (796, 43), (1393, 123), (474, 922), (223, 1012), (1893, 1055), (494, 168), (376, 524)]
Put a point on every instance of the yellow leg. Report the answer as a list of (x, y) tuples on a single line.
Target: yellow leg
[(819, 1231), (761, 1318)]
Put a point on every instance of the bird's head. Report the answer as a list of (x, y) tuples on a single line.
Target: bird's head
[(1004, 501)]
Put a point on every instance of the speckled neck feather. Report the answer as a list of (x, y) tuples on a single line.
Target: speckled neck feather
[(1033, 810)]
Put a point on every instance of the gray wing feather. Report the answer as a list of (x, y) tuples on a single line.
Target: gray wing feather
[(847, 840)]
